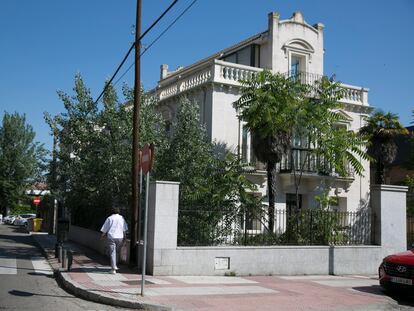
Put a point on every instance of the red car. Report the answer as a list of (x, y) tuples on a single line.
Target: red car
[(397, 270)]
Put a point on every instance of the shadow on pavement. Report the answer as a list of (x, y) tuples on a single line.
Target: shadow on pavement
[(374, 289), (91, 269), (403, 297), (49, 275), (29, 294)]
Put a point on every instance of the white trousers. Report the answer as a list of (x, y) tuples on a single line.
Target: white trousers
[(114, 247)]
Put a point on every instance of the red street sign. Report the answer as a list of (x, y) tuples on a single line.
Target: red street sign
[(36, 201), (147, 158)]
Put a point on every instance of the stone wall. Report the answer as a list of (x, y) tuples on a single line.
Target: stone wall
[(165, 258)]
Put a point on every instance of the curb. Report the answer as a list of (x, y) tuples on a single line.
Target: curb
[(79, 291)]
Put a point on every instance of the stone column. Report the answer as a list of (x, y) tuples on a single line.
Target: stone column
[(389, 205), (162, 222)]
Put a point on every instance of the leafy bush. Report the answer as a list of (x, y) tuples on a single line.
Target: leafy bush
[(22, 209)]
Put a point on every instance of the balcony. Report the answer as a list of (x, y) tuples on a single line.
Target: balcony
[(226, 73), (310, 164)]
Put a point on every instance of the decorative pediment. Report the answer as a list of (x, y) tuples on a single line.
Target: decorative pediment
[(299, 44), (345, 116)]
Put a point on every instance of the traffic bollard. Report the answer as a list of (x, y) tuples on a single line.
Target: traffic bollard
[(60, 250), (65, 259)]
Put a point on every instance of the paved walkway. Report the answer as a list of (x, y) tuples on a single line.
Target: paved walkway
[(89, 278)]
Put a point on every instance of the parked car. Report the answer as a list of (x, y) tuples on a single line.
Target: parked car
[(21, 220), (397, 270), (9, 219)]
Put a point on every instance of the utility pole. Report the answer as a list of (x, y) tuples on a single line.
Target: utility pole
[(135, 221)]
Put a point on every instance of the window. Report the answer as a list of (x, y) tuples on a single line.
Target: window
[(297, 65), (252, 155), (251, 219), (244, 144), (294, 66), (291, 203), (249, 56)]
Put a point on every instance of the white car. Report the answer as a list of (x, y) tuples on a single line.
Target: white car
[(9, 219), (21, 220)]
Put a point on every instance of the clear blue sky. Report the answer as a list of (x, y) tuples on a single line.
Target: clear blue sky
[(44, 43)]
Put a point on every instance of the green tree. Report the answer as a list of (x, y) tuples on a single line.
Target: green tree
[(409, 181), (380, 129), (278, 110), (22, 159), (325, 140), (213, 187), (189, 153), (93, 158), (268, 105)]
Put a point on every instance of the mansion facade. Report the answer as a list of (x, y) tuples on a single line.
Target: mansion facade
[(290, 46)]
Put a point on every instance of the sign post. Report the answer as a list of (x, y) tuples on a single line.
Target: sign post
[(36, 201), (147, 160)]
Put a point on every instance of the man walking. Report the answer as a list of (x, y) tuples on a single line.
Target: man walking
[(114, 230)]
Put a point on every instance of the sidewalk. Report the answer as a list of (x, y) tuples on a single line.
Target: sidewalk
[(89, 278)]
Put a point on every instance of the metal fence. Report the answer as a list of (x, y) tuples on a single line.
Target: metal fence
[(410, 232), (303, 227)]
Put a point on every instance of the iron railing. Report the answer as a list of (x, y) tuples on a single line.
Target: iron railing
[(302, 159), (302, 227), (410, 232), (304, 77)]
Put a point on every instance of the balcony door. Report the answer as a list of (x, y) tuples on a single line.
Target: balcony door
[(291, 203), (297, 65)]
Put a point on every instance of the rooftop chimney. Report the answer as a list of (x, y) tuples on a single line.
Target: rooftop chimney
[(164, 71)]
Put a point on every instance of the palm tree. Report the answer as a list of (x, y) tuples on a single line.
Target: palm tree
[(380, 129), (267, 105)]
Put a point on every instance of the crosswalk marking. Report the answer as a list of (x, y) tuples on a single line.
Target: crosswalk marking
[(41, 266), (8, 265)]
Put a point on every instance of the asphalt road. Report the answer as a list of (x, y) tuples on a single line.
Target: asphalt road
[(26, 279)]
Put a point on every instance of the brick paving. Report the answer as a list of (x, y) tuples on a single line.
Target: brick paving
[(90, 273)]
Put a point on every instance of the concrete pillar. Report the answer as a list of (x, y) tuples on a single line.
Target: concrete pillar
[(273, 44), (163, 71), (162, 221), (389, 205)]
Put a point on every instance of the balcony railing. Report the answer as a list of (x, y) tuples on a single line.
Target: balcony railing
[(226, 73), (309, 163)]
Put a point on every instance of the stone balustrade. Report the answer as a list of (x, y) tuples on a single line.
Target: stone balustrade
[(226, 73), (231, 73), (196, 80), (355, 95)]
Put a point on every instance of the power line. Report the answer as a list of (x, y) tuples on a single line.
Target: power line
[(116, 71), (156, 39), (131, 48)]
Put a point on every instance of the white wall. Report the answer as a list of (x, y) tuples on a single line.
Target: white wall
[(225, 124), (281, 32), (276, 260), (389, 205)]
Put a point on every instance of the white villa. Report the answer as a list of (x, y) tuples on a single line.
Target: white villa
[(287, 46)]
